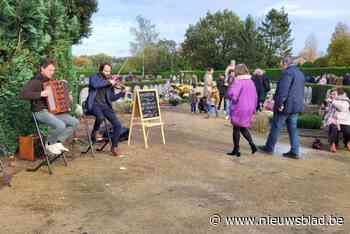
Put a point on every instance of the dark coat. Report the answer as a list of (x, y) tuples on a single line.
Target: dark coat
[(32, 92), (346, 79), (222, 87), (262, 85), (97, 82), (290, 91)]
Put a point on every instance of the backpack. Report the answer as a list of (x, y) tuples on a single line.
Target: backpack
[(317, 144)]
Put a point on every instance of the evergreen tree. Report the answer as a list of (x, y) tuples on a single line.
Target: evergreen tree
[(276, 32), (252, 45), (30, 30)]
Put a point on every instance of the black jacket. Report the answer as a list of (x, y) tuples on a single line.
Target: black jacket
[(221, 87), (262, 85)]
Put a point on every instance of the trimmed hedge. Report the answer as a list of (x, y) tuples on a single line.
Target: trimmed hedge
[(273, 73), (309, 121)]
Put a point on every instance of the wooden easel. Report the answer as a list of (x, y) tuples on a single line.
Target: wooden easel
[(146, 112)]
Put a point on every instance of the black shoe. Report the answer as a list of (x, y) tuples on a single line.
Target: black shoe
[(291, 155), (264, 150), (254, 149), (235, 153)]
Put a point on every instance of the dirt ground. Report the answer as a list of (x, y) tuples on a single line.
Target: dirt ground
[(177, 187)]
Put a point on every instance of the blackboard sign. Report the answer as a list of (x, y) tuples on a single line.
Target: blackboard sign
[(149, 104)]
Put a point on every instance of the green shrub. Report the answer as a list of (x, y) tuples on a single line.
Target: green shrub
[(308, 121), (174, 102)]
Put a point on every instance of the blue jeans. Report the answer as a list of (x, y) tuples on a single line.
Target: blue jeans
[(193, 107), (212, 110), (227, 106), (101, 112), (277, 123), (61, 126)]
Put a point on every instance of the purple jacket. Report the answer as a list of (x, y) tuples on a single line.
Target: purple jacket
[(242, 94)]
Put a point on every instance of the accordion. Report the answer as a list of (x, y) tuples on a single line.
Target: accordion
[(58, 100)]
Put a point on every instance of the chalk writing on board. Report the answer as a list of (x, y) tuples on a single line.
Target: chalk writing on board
[(149, 104)]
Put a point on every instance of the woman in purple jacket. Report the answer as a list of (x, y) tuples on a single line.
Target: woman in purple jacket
[(242, 94)]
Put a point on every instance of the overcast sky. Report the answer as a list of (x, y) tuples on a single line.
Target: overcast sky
[(111, 24)]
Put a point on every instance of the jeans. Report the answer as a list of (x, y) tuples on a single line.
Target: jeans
[(212, 110), (227, 106), (101, 112), (61, 126), (277, 123), (193, 107)]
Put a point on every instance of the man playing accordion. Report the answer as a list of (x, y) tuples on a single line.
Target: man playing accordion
[(61, 125)]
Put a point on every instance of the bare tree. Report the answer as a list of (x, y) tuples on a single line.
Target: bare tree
[(310, 52)]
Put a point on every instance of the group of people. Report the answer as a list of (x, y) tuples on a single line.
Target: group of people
[(215, 93), (62, 125), (325, 79), (241, 94), (246, 94)]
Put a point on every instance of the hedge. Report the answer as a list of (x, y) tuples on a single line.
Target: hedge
[(273, 73), (308, 121)]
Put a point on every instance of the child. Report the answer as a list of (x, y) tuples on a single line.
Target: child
[(214, 101), (269, 103), (193, 99), (202, 105), (331, 122)]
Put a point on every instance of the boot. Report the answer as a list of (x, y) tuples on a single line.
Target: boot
[(253, 148), (235, 152), (114, 151)]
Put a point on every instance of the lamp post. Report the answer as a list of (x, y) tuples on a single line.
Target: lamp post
[(143, 63)]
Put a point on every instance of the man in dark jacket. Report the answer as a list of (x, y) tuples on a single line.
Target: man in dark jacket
[(289, 102), (99, 103), (346, 79)]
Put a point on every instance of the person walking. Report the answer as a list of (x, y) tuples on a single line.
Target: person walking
[(289, 102), (262, 85), (228, 82), (242, 94), (208, 82), (222, 91)]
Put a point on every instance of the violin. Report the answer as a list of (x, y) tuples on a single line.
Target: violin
[(119, 83)]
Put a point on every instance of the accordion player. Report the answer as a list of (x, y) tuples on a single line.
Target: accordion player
[(58, 99)]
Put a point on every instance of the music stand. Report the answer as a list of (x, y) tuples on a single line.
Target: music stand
[(48, 160)]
